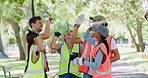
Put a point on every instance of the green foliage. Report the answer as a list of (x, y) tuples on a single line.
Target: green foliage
[(118, 13), (11, 41)]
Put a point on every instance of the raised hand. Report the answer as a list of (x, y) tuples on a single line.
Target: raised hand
[(57, 34), (80, 19), (45, 14)]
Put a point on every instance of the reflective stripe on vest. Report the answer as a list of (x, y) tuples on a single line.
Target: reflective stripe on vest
[(35, 70), (103, 73), (65, 70), (86, 50), (104, 68), (64, 60), (85, 53)]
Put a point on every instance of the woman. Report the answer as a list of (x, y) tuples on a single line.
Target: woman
[(101, 62), (35, 59)]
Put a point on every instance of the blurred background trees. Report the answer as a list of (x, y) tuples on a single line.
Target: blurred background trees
[(125, 18)]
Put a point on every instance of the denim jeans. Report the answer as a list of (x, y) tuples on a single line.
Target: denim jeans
[(68, 75), (85, 75)]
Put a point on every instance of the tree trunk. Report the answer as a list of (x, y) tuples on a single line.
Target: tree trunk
[(139, 26), (134, 41), (16, 30), (139, 33), (24, 39), (2, 53)]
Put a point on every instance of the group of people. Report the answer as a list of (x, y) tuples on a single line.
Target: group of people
[(89, 56)]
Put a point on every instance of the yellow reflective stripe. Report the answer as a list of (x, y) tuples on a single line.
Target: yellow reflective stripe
[(34, 72), (103, 73), (65, 61), (62, 51), (65, 70), (77, 48)]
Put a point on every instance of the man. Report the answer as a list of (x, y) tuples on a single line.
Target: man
[(87, 49), (68, 51), (36, 26)]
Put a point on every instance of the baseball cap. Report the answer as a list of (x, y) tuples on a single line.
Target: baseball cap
[(102, 30), (98, 17)]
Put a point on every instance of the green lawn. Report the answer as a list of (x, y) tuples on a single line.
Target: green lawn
[(18, 66)]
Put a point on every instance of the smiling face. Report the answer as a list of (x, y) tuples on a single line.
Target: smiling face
[(37, 26), (68, 34)]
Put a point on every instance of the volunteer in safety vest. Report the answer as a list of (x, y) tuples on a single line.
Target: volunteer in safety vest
[(36, 26), (35, 68), (87, 48), (85, 52), (68, 51), (101, 62), (114, 55)]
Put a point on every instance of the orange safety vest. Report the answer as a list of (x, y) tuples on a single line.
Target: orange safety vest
[(104, 71), (85, 53), (109, 38)]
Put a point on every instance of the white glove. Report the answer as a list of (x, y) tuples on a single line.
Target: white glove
[(81, 61), (80, 19), (77, 61), (45, 14)]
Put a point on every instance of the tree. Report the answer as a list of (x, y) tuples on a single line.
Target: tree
[(133, 19), (14, 17), (130, 12), (2, 53)]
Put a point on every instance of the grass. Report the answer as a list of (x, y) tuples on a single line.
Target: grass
[(18, 66)]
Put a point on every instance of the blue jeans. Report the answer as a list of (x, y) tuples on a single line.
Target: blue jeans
[(85, 75), (68, 75)]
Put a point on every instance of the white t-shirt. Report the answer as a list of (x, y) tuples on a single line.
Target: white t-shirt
[(113, 44)]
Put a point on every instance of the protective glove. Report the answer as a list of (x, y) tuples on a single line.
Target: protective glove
[(80, 19), (77, 61), (33, 32), (45, 15), (57, 34)]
